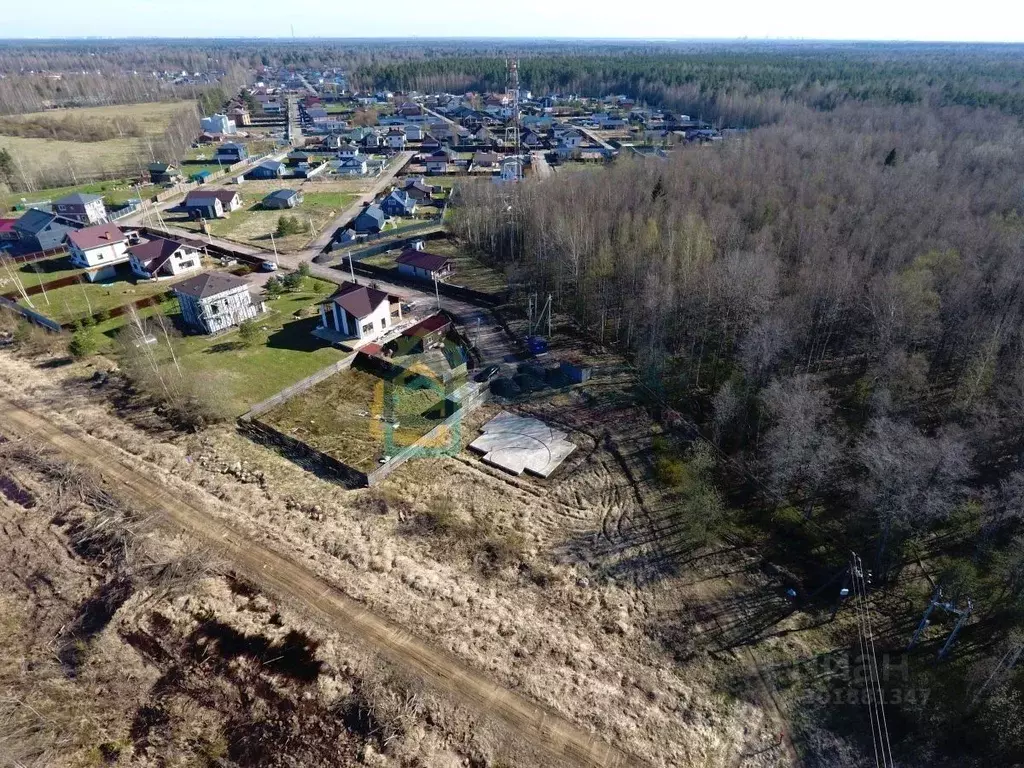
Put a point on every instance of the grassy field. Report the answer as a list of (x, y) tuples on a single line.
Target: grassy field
[(37, 272), (254, 225), (469, 271), (99, 157), (247, 375), (114, 192), (352, 416), (79, 301)]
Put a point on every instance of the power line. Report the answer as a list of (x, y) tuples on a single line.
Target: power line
[(875, 692)]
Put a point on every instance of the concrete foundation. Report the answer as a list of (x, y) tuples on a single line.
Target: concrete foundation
[(519, 444)]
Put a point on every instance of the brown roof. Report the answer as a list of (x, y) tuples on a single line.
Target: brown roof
[(96, 236), (428, 325), (154, 253), (224, 195), (358, 300), (208, 284), (431, 262)]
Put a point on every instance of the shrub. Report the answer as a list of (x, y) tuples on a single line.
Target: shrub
[(84, 343)]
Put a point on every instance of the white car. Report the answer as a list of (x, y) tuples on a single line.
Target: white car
[(268, 266)]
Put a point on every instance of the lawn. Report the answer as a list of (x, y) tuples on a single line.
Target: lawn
[(358, 418), (36, 272), (79, 301), (97, 158), (469, 270), (248, 375), (254, 225)]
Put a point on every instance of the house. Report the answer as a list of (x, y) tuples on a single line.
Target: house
[(429, 143), (282, 199), (212, 203), (347, 150), (396, 138), (418, 190), (98, 249), (483, 136), (298, 157), (423, 265), (351, 166), (201, 177), (161, 257), (398, 203), (240, 115), (7, 230), (345, 238), (485, 159), (371, 141), (230, 153), (218, 124), (268, 169), (410, 110), (83, 208), (370, 221), (43, 230), (413, 132), (358, 311), (531, 140), (215, 301), (437, 162), (163, 173)]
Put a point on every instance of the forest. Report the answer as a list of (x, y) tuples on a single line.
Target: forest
[(834, 301)]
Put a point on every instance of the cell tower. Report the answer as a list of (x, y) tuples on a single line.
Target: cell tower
[(513, 171)]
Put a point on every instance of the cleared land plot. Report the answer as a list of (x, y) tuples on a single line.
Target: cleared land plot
[(352, 416), (469, 270), (96, 157), (254, 225)]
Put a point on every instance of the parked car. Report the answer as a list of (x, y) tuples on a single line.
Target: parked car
[(268, 266), (487, 373)]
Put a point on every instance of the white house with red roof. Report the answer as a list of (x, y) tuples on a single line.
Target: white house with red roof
[(161, 257), (98, 249)]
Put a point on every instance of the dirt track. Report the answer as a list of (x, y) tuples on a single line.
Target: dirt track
[(541, 727)]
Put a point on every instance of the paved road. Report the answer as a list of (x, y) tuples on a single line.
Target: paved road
[(278, 574)]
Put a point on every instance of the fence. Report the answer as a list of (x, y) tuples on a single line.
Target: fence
[(33, 317), (299, 387), (24, 258), (302, 454), (478, 398), (457, 292)]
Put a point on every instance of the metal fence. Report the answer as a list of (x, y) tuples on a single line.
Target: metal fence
[(33, 317), (299, 387)]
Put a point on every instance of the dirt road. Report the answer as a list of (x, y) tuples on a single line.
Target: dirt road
[(542, 728)]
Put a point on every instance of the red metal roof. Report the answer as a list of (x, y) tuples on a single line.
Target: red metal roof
[(7, 225), (431, 262), (96, 236)]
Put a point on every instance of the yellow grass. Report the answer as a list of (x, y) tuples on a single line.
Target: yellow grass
[(94, 159)]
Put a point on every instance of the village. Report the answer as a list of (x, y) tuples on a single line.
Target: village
[(317, 215)]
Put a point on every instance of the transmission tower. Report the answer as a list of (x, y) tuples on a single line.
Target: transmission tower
[(514, 172)]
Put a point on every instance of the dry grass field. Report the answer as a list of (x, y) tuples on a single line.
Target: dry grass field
[(95, 159), (554, 588)]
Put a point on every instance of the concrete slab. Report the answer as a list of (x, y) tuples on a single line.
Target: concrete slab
[(520, 444)]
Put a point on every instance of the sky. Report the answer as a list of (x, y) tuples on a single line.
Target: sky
[(926, 20)]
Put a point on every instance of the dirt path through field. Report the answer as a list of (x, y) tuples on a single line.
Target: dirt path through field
[(544, 729)]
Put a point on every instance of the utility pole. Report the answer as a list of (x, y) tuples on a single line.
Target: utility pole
[(437, 294), (274, 246), (962, 614), (351, 266)]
